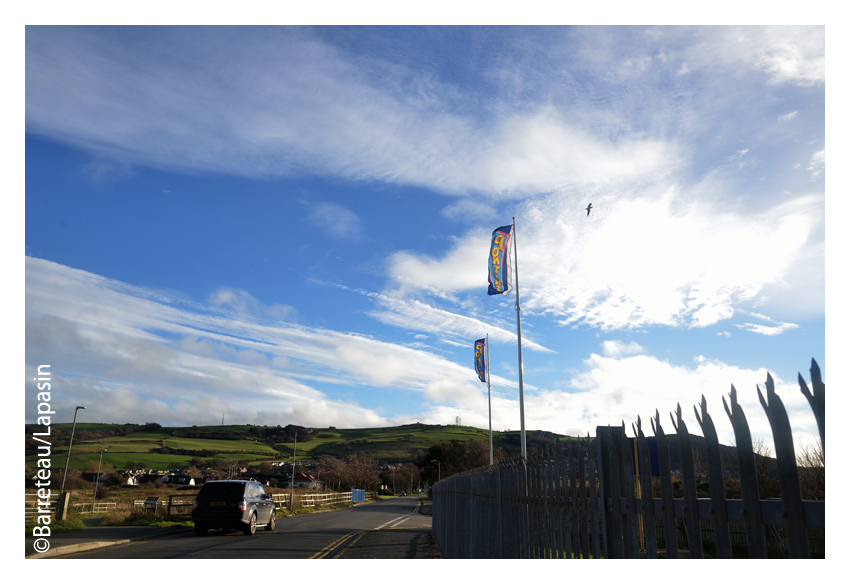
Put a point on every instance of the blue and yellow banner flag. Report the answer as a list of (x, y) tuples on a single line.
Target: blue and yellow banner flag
[(479, 360), (500, 261)]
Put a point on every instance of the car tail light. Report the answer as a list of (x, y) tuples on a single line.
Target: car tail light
[(242, 505), (194, 503)]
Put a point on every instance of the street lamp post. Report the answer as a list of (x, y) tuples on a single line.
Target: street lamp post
[(73, 427), (438, 469), (97, 479), (292, 480)]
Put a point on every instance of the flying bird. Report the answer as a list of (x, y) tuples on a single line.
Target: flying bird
[(589, 207)]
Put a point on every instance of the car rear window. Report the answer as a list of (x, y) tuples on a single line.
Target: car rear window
[(228, 490)]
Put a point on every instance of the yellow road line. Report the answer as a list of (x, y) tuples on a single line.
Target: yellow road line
[(329, 548)]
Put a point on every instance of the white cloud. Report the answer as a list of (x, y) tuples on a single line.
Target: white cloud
[(785, 54), (767, 330), (758, 316), (444, 277), (635, 261), (611, 390), (618, 349), (817, 163), (788, 117), (793, 54)]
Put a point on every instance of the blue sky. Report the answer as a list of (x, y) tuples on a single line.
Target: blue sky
[(291, 224)]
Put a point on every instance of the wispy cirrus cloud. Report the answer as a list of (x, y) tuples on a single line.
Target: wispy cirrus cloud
[(136, 355), (288, 103), (176, 355), (452, 328), (817, 163), (336, 221), (246, 306)]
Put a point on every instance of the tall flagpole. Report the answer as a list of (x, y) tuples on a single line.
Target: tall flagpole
[(519, 346), (489, 408)]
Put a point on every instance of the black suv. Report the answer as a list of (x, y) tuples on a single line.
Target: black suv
[(233, 505)]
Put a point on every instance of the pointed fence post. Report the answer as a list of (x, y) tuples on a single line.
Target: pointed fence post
[(817, 400), (747, 476), (789, 481), (689, 485), (594, 499), (645, 472), (627, 491), (722, 543), (668, 515)]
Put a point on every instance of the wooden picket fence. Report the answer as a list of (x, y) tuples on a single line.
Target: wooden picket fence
[(593, 498), (31, 507), (313, 499)]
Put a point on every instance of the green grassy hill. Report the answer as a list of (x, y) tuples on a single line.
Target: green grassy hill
[(161, 448)]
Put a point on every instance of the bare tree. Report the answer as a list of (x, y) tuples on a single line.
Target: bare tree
[(362, 473), (700, 463), (811, 468), (331, 471), (767, 473), (407, 476), (478, 454)]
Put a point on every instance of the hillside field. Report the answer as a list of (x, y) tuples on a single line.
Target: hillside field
[(144, 448)]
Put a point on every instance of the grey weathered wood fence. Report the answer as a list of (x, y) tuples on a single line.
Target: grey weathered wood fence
[(593, 497)]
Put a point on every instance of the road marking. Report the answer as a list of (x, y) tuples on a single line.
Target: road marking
[(332, 547), (394, 522)]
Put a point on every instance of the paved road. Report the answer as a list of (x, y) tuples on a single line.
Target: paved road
[(385, 529)]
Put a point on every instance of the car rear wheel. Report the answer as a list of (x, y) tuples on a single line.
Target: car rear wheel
[(200, 529), (251, 528), (270, 524)]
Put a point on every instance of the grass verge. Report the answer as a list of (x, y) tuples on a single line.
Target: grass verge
[(137, 517), (285, 512), (59, 526)]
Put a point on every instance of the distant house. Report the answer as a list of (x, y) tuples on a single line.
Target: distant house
[(306, 481), (181, 480), (147, 478), (90, 477), (169, 479)]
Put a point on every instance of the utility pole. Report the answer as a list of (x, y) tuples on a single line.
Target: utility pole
[(97, 480), (71, 441), (292, 481)]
